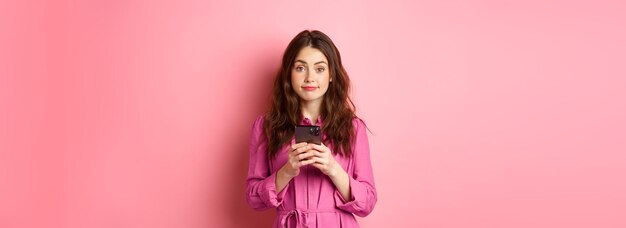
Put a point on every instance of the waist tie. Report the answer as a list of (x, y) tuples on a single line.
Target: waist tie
[(300, 216)]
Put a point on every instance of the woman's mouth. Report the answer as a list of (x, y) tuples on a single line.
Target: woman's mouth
[(309, 88)]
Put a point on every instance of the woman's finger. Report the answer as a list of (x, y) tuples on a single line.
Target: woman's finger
[(306, 162), (321, 161), (320, 148), (295, 147), (298, 145), (318, 154), (299, 150), (304, 155)]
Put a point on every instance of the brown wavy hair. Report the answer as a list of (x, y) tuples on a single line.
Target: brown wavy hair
[(337, 109)]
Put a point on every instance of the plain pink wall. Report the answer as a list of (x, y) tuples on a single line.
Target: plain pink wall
[(484, 113)]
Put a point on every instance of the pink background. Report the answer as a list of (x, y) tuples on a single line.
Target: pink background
[(484, 113)]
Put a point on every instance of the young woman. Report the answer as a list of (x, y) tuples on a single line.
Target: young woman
[(311, 185)]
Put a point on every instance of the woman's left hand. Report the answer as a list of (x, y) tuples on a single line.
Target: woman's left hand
[(324, 160)]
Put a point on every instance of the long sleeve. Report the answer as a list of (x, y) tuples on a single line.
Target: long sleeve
[(261, 185), (362, 186)]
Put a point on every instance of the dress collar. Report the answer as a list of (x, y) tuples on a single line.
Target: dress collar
[(307, 121)]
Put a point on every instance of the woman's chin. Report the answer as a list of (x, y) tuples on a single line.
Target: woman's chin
[(309, 99)]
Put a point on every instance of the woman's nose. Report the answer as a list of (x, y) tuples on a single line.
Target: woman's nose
[(308, 77)]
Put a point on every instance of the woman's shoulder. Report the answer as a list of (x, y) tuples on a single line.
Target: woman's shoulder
[(358, 123), (357, 120), (259, 119), (257, 126)]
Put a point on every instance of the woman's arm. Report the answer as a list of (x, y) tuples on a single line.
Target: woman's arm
[(261, 185), (325, 162), (282, 180), (341, 181), (355, 193), (362, 188)]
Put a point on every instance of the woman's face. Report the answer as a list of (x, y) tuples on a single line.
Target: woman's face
[(310, 75)]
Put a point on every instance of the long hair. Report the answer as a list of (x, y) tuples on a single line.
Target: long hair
[(337, 109)]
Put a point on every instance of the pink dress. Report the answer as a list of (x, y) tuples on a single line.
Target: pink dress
[(311, 199)]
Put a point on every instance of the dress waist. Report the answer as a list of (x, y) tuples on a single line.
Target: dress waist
[(300, 216), (287, 211)]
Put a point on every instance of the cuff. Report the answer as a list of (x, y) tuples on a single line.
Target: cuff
[(358, 193), (269, 195)]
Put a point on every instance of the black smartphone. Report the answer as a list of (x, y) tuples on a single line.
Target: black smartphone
[(309, 134)]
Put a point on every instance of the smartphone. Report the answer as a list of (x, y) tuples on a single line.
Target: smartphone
[(309, 134)]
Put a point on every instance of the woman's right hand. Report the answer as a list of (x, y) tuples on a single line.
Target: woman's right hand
[(299, 155)]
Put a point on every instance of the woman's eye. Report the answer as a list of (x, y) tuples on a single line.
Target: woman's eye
[(299, 68), (320, 70)]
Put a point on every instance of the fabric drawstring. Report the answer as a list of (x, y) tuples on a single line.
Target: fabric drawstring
[(299, 215)]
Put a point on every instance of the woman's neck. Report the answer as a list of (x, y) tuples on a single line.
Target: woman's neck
[(311, 109)]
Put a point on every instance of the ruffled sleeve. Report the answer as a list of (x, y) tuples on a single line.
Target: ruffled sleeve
[(261, 184), (362, 186)]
